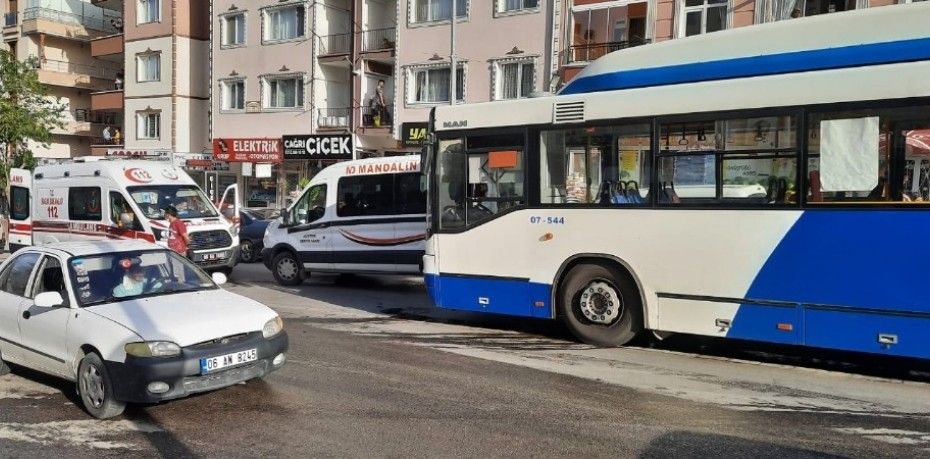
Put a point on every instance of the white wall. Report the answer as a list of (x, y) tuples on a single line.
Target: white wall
[(157, 88), (131, 135)]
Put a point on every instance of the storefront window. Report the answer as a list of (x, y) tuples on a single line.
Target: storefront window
[(598, 165)]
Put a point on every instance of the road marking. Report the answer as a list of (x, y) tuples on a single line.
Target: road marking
[(891, 436), (87, 433)]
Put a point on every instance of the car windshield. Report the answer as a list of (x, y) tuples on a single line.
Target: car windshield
[(188, 199), (124, 276)]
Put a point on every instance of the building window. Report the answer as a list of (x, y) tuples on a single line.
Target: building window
[(703, 16), (234, 29), (514, 80), (148, 67), (148, 11), (283, 92), (233, 93), (148, 125), (437, 10), (431, 85), (513, 6), (284, 23)]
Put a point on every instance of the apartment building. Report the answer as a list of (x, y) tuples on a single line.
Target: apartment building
[(588, 29), (503, 50), (58, 33), (162, 102), (299, 72)]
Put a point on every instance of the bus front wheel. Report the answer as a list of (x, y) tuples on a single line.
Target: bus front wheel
[(601, 305)]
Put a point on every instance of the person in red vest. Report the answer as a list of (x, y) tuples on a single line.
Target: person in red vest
[(178, 240)]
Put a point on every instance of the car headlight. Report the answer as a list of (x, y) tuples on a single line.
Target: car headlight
[(273, 327), (153, 349)]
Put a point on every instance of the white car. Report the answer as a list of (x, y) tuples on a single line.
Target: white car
[(131, 322)]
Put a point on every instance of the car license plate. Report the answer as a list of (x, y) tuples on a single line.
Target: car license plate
[(213, 256), (211, 364)]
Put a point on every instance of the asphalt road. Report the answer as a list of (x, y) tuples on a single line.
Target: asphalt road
[(374, 371)]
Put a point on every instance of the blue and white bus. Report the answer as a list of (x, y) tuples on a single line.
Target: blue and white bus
[(768, 183)]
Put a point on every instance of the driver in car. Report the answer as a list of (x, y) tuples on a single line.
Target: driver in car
[(133, 283)]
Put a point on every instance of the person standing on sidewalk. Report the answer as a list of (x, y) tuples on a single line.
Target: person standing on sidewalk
[(178, 240)]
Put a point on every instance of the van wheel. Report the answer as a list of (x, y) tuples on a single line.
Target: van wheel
[(96, 388), (601, 305), (287, 269)]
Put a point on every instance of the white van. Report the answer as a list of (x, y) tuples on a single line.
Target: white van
[(364, 216), (113, 199)]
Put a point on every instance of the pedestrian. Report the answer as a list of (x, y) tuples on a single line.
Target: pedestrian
[(117, 137), (380, 105), (178, 240), (107, 135), (119, 82)]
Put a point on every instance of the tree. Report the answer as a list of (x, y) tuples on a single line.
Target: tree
[(27, 113)]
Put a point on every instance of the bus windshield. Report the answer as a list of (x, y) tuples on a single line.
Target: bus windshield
[(188, 199)]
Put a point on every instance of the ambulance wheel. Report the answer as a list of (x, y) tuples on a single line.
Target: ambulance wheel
[(287, 269), (601, 305)]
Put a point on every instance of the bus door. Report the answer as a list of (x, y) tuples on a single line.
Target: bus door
[(20, 209)]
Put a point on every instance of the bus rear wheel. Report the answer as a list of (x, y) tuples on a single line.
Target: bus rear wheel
[(601, 305)]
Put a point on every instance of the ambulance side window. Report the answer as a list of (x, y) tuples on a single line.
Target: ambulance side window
[(84, 204), (121, 214), (19, 200)]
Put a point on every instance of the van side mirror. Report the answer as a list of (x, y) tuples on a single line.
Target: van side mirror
[(285, 217), (49, 300)]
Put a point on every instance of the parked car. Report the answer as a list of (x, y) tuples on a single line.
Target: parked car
[(251, 231), (131, 322)]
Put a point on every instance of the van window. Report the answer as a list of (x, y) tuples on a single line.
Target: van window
[(118, 207), (310, 207), (363, 195), (409, 194), (19, 197), (84, 204)]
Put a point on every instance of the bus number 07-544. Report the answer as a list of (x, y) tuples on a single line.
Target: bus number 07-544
[(547, 220)]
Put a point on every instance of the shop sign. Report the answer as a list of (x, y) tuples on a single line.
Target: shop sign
[(247, 150), (413, 134), (323, 147), (206, 164)]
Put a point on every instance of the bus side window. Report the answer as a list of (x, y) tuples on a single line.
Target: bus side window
[(847, 160)]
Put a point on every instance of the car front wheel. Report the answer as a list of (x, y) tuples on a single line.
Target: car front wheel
[(96, 388), (247, 252)]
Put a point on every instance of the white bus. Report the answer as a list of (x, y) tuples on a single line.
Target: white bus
[(763, 183)]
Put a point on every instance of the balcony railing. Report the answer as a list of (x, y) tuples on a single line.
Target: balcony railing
[(333, 118), (91, 21), (591, 51), (378, 39), (335, 44), (10, 19), (94, 71), (85, 115), (373, 118)]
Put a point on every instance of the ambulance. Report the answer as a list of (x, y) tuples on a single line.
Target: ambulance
[(116, 199)]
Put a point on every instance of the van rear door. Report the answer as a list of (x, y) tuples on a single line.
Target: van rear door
[(20, 209)]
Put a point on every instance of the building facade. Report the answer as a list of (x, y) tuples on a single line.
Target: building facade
[(58, 33), (503, 50)]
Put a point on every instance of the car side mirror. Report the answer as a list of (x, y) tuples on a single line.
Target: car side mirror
[(219, 278), (49, 300)]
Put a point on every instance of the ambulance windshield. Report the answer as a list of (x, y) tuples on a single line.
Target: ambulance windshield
[(188, 199)]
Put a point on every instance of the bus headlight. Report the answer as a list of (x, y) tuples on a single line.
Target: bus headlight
[(153, 349), (273, 327)]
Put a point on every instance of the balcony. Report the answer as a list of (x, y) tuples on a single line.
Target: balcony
[(116, 5), (82, 122), (83, 24), (109, 46), (588, 52), (379, 39), (70, 75), (335, 45), (107, 101), (372, 120), (333, 118)]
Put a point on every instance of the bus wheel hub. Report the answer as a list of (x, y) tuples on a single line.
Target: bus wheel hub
[(600, 303)]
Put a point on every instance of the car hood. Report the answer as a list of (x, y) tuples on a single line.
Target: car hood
[(188, 318)]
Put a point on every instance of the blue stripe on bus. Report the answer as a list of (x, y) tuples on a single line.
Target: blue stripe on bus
[(744, 67), (482, 294), (832, 262)]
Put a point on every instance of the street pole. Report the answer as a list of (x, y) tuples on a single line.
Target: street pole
[(453, 68)]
